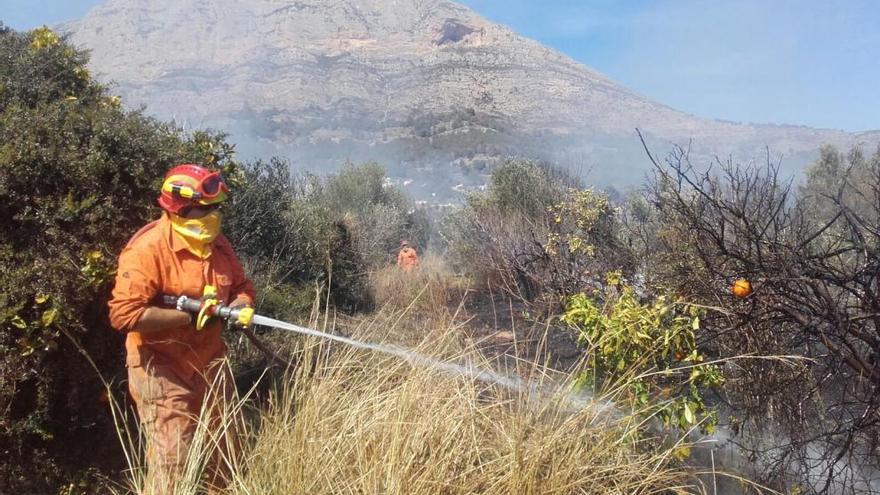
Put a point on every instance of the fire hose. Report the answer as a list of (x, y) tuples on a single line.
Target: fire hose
[(514, 382), (194, 306)]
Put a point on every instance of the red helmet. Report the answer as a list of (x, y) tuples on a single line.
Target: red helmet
[(189, 184)]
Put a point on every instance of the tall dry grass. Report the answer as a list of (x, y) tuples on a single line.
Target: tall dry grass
[(350, 421), (354, 421), (427, 291)]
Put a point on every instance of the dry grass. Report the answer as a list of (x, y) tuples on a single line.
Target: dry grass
[(354, 421), (369, 424), (427, 291), (360, 422)]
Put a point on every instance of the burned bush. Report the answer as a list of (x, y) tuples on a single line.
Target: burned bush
[(535, 232), (812, 257)]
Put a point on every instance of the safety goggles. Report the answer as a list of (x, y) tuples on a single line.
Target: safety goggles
[(209, 188)]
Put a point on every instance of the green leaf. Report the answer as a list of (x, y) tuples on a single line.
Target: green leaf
[(41, 299), (696, 323), (689, 414), (18, 322), (681, 421), (681, 453), (49, 316)]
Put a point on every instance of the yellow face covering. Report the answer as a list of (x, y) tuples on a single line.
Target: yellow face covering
[(198, 233)]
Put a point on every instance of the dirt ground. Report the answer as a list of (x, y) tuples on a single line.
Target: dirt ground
[(506, 329)]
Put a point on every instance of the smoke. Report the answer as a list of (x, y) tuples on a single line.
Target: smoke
[(810, 467)]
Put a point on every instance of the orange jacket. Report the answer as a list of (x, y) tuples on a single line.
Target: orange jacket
[(407, 258), (156, 262)]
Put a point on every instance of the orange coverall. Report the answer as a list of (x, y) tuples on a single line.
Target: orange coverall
[(170, 371), (407, 259)]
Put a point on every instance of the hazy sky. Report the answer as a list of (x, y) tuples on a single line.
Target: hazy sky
[(809, 62)]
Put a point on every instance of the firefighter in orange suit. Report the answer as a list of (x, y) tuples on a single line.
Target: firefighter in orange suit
[(407, 259), (175, 360)]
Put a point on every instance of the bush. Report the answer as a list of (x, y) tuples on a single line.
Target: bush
[(280, 237), (534, 232), (646, 353), (813, 259), (299, 230), (379, 213), (78, 176)]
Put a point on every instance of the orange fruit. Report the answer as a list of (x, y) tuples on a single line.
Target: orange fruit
[(741, 288)]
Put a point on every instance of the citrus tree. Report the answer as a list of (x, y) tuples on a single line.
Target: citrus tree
[(811, 256), (645, 352)]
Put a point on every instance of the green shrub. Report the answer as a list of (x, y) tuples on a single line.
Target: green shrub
[(380, 213), (78, 176), (277, 240), (302, 230), (648, 351)]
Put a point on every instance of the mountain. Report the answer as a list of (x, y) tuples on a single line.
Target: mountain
[(428, 87)]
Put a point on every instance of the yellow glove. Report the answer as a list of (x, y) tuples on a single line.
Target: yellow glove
[(208, 308), (245, 317)]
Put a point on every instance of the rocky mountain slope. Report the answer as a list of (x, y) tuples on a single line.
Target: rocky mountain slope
[(427, 87)]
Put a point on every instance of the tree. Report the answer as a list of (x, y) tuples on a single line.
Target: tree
[(838, 178), (814, 263)]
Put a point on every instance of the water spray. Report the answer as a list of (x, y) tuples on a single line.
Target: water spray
[(576, 401)]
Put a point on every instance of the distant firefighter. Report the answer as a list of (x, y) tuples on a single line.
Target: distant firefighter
[(407, 259)]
